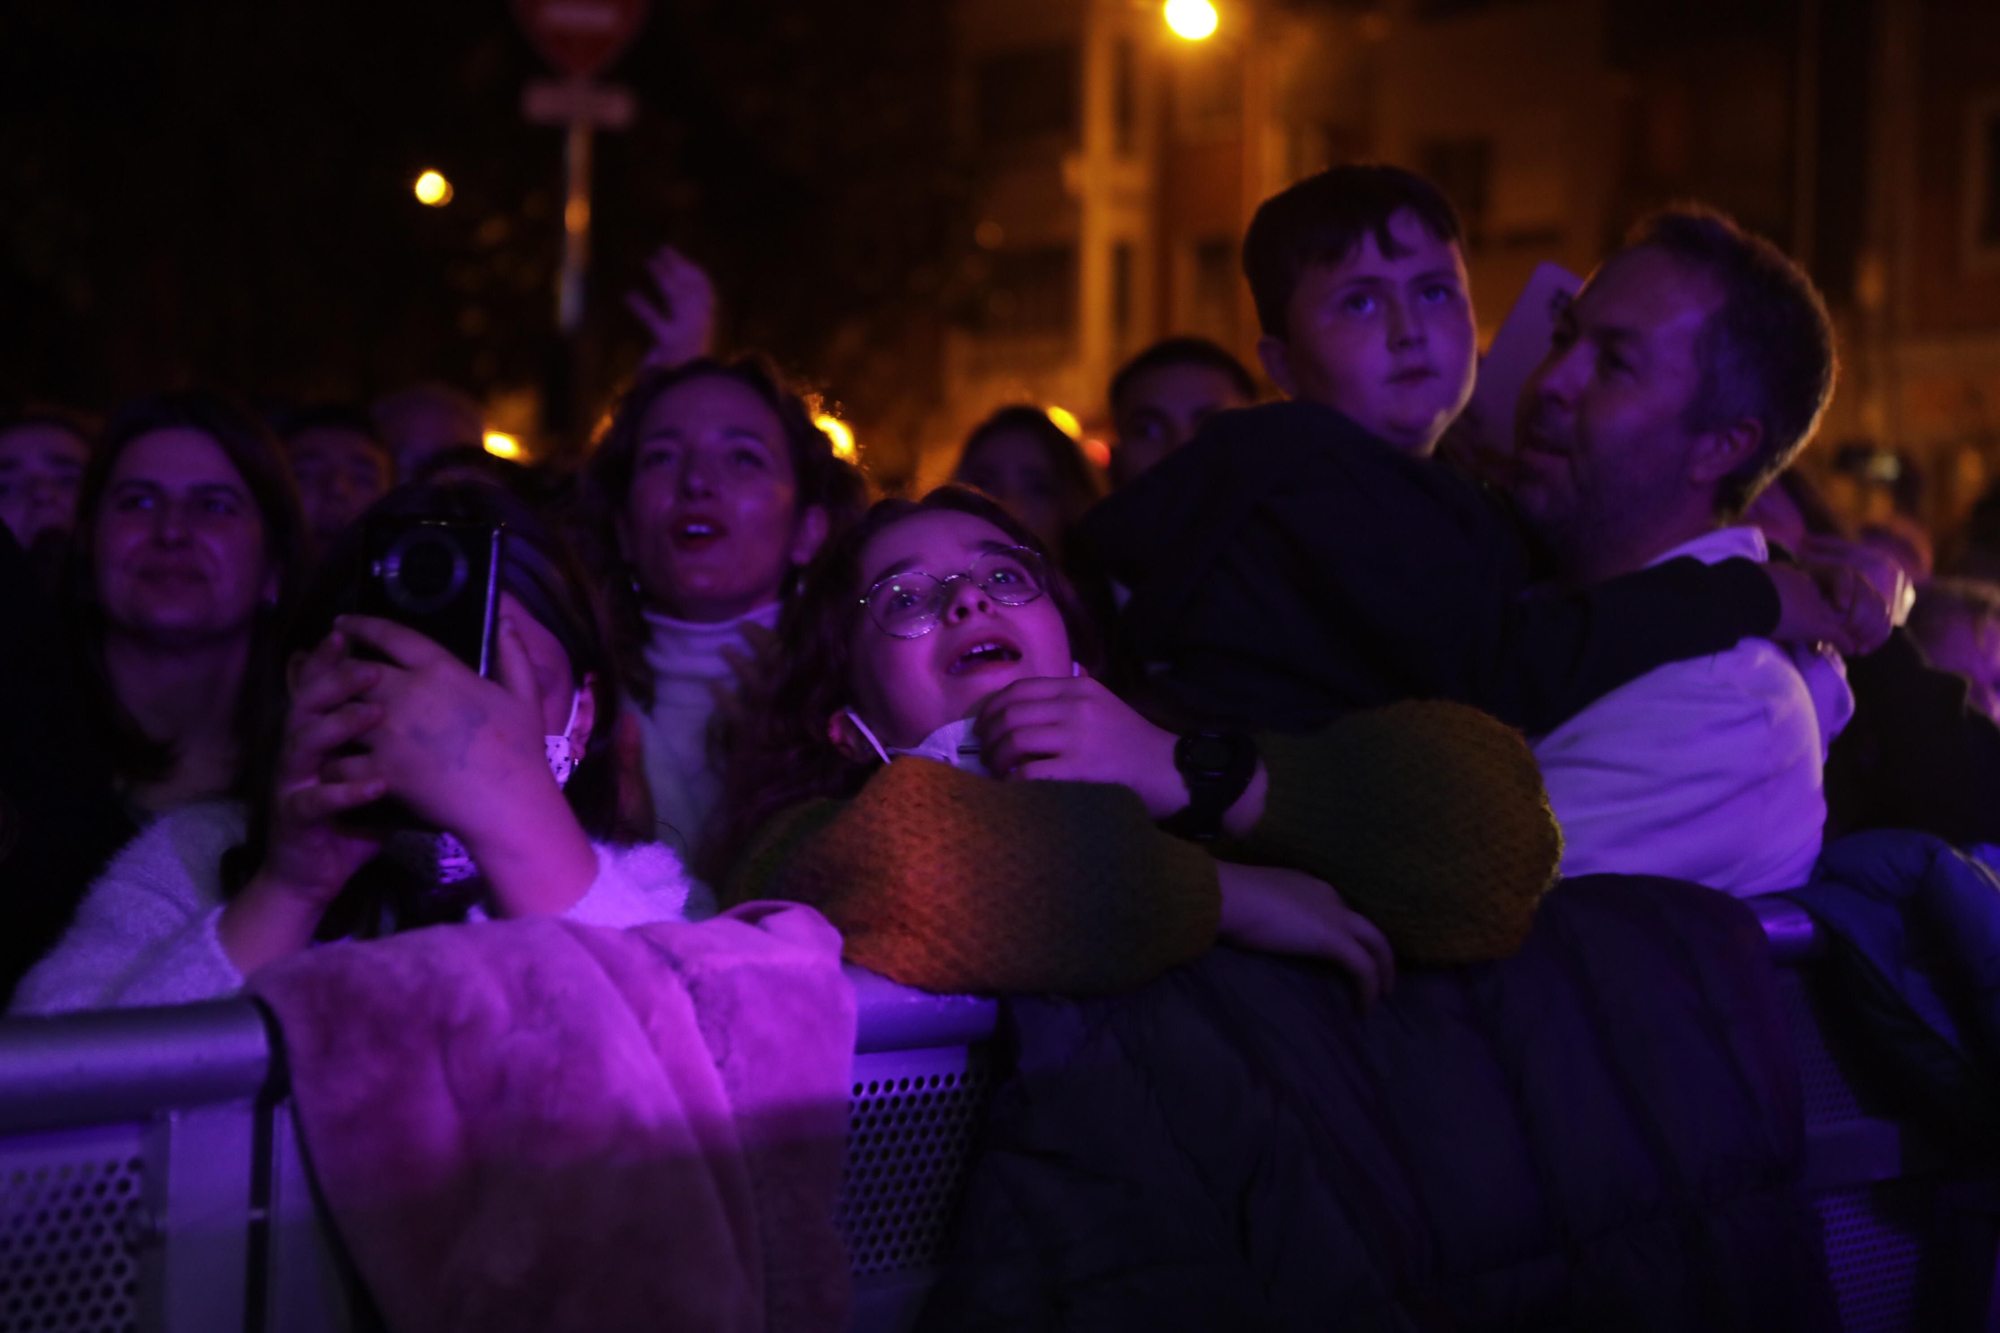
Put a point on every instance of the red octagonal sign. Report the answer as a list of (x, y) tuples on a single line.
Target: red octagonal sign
[(581, 37)]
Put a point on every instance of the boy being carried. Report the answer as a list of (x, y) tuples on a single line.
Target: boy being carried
[(1304, 559)]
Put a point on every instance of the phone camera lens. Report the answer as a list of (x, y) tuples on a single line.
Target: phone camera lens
[(424, 571)]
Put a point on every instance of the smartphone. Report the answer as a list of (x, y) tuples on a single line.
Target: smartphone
[(441, 578)]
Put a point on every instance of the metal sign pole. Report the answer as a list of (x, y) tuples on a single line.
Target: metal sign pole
[(576, 229)]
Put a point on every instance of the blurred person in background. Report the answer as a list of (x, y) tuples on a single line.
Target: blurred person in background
[(1957, 624), (1161, 396), (341, 465), (42, 459), (426, 419), (512, 776), (1919, 753), (1034, 469), (713, 489), (189, 541)]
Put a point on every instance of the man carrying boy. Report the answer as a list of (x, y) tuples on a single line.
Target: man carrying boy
[(1685, 375), (1304, 559)]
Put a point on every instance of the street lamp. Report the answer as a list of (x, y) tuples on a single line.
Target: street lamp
[(1192, 19), (432, 190)]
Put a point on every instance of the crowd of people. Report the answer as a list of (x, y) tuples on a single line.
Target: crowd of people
[(1287, 676)]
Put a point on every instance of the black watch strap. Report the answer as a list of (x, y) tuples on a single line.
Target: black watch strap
[(1217, 767)]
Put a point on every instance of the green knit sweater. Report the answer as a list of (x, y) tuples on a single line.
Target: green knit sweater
[(1429, 818)]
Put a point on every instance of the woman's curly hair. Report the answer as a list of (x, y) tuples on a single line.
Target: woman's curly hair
[(783, 754)]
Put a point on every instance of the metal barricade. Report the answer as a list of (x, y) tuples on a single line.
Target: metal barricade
[(151, 1179), (1902, 1259)]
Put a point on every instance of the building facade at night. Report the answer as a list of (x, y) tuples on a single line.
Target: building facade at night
[(1116, 166)]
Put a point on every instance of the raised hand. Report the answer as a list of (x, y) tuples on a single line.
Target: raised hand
[(1832, 604), (309, 855), (466, 753), (682, 322), (1074, 729)]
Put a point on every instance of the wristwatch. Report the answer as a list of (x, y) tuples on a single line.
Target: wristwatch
[(1217, 767)]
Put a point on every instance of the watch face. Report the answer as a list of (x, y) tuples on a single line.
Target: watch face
[(1208, 754)]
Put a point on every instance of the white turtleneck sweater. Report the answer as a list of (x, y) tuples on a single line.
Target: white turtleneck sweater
[(686, 660)]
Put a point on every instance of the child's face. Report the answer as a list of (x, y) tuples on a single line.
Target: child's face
[(1388, 342), (907, 688), (1160, 410)]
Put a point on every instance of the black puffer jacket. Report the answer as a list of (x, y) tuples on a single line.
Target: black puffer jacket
[(1603, 1132)]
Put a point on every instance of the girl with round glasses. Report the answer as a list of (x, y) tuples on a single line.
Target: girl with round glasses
[(938, 772)]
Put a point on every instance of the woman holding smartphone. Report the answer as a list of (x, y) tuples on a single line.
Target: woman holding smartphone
[(512, 775)]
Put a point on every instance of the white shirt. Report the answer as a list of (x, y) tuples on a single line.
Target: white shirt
[(686, 661), (1706, 770)]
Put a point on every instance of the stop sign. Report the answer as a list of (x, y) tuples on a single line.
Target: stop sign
[(581, 37)]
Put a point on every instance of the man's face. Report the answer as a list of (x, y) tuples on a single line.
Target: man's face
[(1161, 409), (1600, 439), (1388, 342), (340, 473)]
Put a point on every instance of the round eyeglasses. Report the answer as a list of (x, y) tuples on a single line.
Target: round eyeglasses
[(910, 605)]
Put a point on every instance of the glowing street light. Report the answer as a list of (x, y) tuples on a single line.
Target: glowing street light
[(1066, 421), (1192, 19), (502, 445), (432, 190), (837, 431)]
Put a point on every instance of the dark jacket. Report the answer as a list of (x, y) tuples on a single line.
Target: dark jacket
[(1914, 933), (1915, 755), (1602, 1132), (1287, 567)]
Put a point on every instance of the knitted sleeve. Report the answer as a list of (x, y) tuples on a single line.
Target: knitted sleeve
[(957, 883), (1428, 817)]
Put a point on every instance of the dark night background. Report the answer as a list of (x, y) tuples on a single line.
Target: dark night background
[(218, 191)]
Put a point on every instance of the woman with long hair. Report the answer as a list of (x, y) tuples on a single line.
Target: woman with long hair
[(713, 490), (189, 544)]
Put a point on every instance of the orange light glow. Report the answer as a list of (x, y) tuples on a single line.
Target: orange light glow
[(837, 431), (502, 445), (432, 190), (1192, 19)]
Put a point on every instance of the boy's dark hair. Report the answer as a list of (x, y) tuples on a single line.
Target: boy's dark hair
[(1323, 218), (1766, 353), (1182, 351)]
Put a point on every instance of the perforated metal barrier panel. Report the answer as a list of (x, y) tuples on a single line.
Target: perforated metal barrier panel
[(71, 1226), (909, 1138)]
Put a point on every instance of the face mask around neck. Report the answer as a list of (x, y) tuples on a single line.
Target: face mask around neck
[(440, 857), (953, 743)]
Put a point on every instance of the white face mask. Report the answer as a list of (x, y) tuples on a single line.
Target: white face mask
[(563, 753), (441, 857), (953, 743)]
